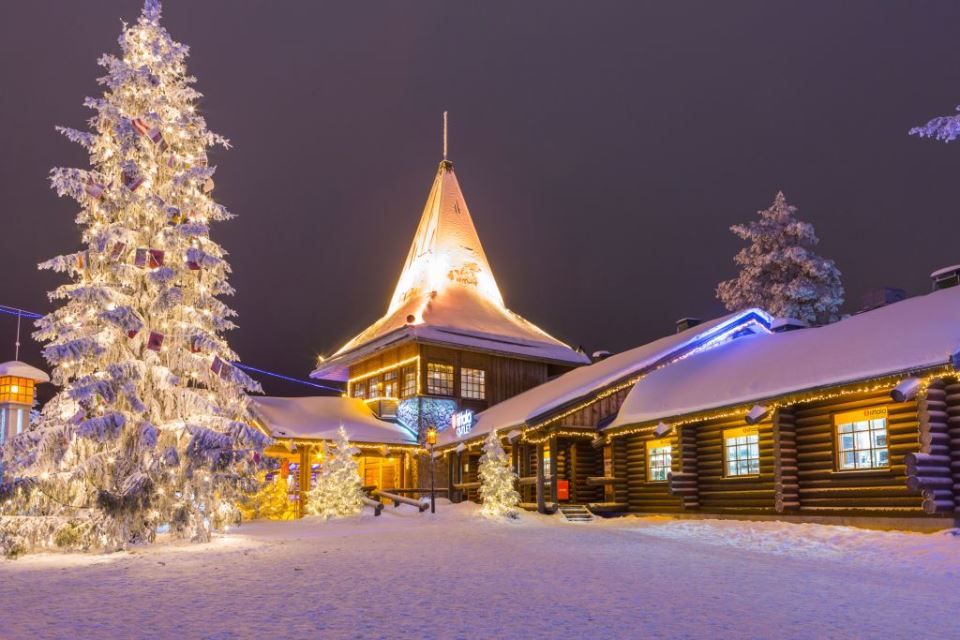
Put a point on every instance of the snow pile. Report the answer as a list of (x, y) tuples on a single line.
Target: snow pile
[(938, 552)]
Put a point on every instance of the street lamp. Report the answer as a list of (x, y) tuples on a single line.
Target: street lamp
[(432, 441)]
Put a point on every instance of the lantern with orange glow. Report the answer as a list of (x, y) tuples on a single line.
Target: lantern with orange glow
[(17, 386)]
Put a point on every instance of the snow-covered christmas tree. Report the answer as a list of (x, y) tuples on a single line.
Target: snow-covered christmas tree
[(497, 491), (942, 128), (780, 272), (149, 429), (339, 491)]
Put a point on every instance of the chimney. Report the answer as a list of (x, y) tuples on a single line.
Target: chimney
[(782, 325), (946, 277), (685, 323), (881, 297)]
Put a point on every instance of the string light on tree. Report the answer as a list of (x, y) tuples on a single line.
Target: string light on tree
[(497, 491), (145, 431)]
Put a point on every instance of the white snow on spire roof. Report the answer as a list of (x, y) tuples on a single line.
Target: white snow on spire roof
[(913, 334), (447, 292)]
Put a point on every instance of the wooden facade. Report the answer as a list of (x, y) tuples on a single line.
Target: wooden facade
[(800, 462)]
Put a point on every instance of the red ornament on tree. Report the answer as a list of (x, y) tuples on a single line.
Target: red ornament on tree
[(155, 341)]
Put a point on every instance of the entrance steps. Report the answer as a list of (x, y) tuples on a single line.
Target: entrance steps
[(576, 513)]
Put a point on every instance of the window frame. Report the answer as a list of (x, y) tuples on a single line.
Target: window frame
[(391, 384), (408, 374), (659, 444), (867, 415), (441, 368), (748, 432), (474, 383)]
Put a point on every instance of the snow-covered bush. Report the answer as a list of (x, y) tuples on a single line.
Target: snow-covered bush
[(497, 491)]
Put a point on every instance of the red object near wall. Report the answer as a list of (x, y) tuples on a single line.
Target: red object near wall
[(563, 489)]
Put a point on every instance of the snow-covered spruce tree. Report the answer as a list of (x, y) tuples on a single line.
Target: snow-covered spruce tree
[(942, 128), (497, 490), (149, 426), (339, 491), (780, 272)]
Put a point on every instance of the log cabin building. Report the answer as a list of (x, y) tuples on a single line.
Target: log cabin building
[(855, 422), (552, 431), (299, 426), (447, 344)]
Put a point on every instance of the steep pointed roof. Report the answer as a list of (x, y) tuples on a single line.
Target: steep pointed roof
[(447, 294)]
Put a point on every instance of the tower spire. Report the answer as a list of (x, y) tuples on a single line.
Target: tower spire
[(444, 135)]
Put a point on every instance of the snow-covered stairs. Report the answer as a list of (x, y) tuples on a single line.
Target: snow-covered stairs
[(576, 513)]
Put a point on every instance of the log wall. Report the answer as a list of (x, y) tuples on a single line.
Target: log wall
[(596, 411), (786, 483), (737, 494), (585, 461), (823, 490), (644, 496)]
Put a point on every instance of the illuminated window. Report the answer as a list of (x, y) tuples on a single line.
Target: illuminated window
[(546, 464), (473, 383), (439, 379), (360, 389), (373, 391), (3, 425), (409, 382), (14, 389), (659, 459), (862, 439), (19, 421), (741, 452), (390, 384)]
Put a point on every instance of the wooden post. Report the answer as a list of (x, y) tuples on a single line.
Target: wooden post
[(554, 469), (303, 478), (541, 503), (572, 473), (452, 476)]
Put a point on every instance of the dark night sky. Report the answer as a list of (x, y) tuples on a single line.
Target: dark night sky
[(603, 147)]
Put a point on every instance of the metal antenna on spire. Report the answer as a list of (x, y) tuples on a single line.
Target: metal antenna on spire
[(17, 343), (444, 135)]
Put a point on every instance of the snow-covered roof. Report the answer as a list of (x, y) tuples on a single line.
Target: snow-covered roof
[(913, 334), (525, 409), (319, 418), (23, 370), (447, 294)]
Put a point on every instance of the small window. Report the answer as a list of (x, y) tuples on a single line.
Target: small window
[(439, 379), (390, 384), (3, 425), (360, 389), (409, 382), (741, 452), (862, 439), (373, 390), (659, 459), (473, 383)]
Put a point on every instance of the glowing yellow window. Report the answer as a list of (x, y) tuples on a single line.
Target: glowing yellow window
[(862, 439), (741, 451), (15, 389), (659, 459)]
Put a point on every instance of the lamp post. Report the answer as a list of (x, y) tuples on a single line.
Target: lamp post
[(432, 441)]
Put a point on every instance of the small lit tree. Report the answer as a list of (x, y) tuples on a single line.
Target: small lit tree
[(500, 497), (339, 491), (271, 501), (780, 272)]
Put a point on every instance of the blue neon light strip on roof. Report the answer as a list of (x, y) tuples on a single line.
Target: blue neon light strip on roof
[(22, 313)]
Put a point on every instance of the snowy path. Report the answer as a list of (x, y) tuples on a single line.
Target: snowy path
[(405, 575)]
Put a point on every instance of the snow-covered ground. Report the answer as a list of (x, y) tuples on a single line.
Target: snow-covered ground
[(411, 575)]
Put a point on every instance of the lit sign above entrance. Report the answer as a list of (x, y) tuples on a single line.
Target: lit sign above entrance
[(462, 422)]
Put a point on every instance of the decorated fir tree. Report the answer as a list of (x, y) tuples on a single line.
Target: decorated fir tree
[(148, 430), (780, 272), (942, 128), (338, 492), (497, 490), (271, 500)]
